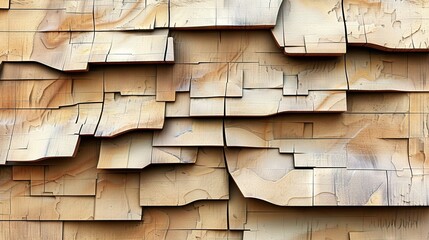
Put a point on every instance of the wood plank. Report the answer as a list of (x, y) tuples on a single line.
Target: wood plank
[(44, 133), (379, 30), (182, 184), (203, 107), (259, 173), (129, 151), (117, 197), (189, 132), (299, 29), (125, 113)]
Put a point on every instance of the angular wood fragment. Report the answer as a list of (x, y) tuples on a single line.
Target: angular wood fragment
[(180, 107), (68, 177), (387, 25), (306, 28), (133, 150), (259, 173), (125, 113), (44, 133), (180, 185)]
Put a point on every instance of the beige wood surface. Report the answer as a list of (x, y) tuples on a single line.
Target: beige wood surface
[(306, 27)]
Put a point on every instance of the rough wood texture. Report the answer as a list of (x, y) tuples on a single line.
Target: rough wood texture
[(307, 27), (174, 119)]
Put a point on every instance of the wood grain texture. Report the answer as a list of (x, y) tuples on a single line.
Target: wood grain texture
[(298, 29)]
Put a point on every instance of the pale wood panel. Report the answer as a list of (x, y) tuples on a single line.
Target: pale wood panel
[(307, 28), (207, 107), (130, 80), (89, 114), (387, 25), (66, 177), (125, 113), (180, 185), (133, 150), (209, 80), (344, 187), (189, 132), (211, 13), (117, 197), (36, 229), (371, 70), (263, 102), (259, 173), (407, 189), (44, 133), (179, 108)]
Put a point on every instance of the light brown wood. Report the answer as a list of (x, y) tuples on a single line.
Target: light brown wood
[(124, 113), (133, 151), (189, 132), (109, 205), (308, 28), (180, 185), (405, 30), (210, 13)]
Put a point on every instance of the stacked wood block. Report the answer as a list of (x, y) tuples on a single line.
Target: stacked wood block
[(214, 119)]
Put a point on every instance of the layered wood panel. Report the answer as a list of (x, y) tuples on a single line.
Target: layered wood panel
[(171, 119)]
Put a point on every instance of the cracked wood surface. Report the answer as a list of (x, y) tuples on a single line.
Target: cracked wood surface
[(171, 119)]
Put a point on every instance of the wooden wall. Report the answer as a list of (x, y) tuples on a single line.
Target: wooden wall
[(214, 119)]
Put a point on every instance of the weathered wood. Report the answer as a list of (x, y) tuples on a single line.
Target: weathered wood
[(307, 28)]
